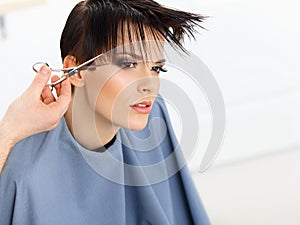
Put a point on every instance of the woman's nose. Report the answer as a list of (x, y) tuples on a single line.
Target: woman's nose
[(148, 85)]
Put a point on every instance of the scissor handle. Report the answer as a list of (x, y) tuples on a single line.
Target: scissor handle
[(36, 67)]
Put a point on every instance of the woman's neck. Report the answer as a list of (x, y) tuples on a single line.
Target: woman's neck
[(89, 129)]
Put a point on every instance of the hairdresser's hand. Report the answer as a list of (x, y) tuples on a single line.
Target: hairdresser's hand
[(36, 110)]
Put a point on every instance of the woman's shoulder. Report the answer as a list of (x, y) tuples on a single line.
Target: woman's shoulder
[(28, 153)]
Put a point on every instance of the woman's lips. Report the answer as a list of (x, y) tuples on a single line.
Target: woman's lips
[(142, 107)]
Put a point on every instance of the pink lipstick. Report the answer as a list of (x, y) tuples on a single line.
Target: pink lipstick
[(142, 107)]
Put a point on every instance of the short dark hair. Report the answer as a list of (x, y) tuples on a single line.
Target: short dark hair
[(94, 26)]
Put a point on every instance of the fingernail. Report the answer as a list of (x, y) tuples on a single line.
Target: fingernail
[(44, 70)]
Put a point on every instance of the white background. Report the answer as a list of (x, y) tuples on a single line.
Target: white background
[(251, 47)]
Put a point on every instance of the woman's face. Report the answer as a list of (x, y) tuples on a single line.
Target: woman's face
[(122, 92)]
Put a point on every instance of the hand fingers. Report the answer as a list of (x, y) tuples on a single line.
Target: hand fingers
[(40, 81), (47, 96), (64, 96), (58, 86)]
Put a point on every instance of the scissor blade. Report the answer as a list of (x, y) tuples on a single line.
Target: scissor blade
[(58, 81), (75, 69)]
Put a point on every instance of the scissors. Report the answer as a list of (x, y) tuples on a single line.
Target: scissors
[(68, 72)]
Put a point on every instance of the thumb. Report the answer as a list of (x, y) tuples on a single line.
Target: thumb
[(40, 80)]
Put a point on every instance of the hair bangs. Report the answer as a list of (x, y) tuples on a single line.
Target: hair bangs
[(100, 26), (122, 30)]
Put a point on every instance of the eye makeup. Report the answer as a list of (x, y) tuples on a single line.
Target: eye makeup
[(128, 61)]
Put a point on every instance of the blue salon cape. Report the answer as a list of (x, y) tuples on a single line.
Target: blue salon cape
[(51, 180)]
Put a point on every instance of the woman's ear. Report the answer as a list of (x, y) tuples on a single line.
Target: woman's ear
[(76, 79)]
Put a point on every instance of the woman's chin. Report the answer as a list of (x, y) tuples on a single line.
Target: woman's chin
[(138, 125)]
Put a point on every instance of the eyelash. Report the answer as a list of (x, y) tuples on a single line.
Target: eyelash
[(125, 65), (157, 69)]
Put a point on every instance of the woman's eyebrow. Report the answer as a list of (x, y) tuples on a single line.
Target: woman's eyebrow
[(161, 61), (138, 57)]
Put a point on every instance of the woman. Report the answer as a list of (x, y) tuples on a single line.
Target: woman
[(92, 169)]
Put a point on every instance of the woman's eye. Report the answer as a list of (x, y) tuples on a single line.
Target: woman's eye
[(159, 69), (127, 64)]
